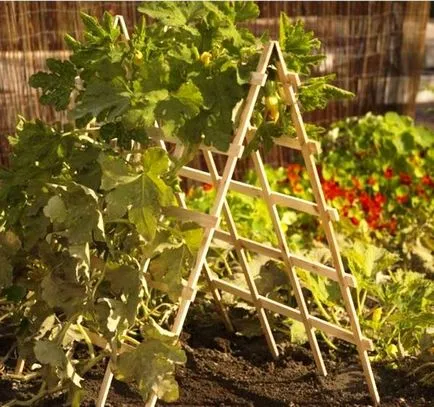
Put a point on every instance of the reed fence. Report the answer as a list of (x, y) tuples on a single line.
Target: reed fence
[(375, 48)]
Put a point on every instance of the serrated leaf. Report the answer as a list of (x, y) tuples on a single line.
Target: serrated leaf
[(245, 10), (143, 196), (110, 97), (166, 271), (365, 260), (167, 12), (57, 85), (151, 365), (114, 171)]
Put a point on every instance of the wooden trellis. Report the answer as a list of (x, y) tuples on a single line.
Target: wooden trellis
[(210, 223)]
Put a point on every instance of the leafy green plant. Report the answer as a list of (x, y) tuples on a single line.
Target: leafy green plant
[(82, 216), (365, 165)]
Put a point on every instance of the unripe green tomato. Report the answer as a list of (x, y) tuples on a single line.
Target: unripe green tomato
[(138, 58), (206, 58)]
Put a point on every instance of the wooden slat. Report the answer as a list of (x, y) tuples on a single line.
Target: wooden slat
[(286, 201), (297, 261), (292, 142), (242, 258), (183, 214), (321, 269), (233, 150), (293, 313)]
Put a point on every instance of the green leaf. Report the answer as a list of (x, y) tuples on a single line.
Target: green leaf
[(56, 209), (145, 219), (143, 195), (365, 260), (299, 47), (298, 333), (49, 353), (57, 85), (112, 98), (64, 293), (166, 271), (115, 171), (167, 12), (245, 10), (151, 365), (126, 283)]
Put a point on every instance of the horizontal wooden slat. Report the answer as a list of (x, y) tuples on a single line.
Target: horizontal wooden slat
[(321, 269), (250, 245), (295, 260), (292, 142), (184, 215), (250, 190), (290, 312), (233, 150), (258, 78)]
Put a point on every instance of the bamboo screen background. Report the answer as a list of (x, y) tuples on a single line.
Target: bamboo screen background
[(375, 48)]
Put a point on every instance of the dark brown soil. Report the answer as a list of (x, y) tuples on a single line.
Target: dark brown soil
[(229, 370)]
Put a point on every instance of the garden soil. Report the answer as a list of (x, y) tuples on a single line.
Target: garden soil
[(231, 370)]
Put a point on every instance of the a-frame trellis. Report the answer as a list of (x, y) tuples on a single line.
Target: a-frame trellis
[(210, 222)]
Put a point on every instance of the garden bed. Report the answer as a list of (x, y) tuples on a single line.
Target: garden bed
[(231, 370)]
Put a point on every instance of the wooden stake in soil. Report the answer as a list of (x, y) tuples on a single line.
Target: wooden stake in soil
[(327, 215)]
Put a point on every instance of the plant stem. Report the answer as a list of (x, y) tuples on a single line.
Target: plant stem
[(87, 340), (362, 302), (328, 341)]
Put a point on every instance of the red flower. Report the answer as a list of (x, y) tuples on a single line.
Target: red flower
[(393, 223), (372, 181), (350, 195), (427, 180), (297, 188), (293, 171), (388, 173), (345, 210), (420, 190), (356, 183), (365, 200), (207, 187), (402, 199), (355, 221), (380, 199), (332, 190), (405, 178)]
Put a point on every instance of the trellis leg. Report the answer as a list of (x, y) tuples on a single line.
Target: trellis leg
[(108, 375), (219, 200), (208, 274), (243, 261), (295, 283), (105, 386), (290, 96)]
